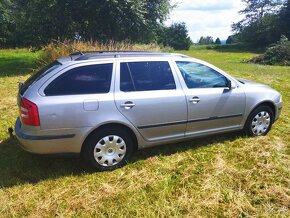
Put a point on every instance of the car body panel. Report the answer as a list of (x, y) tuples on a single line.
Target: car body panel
[(217, 108), (158, 117)]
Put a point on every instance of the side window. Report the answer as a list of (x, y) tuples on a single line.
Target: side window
[(200, 76), (91, 79), (146, 76)]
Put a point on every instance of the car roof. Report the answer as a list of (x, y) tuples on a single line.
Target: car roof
[(97, 55)]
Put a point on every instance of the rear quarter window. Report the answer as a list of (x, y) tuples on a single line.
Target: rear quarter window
[(92, 79), (38, 75)]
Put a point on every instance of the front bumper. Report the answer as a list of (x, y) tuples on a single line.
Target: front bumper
[(41, 142)]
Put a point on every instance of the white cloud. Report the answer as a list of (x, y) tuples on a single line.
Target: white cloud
[(206, 5), (207, 17)]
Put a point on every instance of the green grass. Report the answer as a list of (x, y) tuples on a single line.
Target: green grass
[(229, 48), (221, 176)]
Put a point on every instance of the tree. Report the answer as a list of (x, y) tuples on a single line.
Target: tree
[(285, 19), (6, 23), (218, 41), (230, 40), (256, 9), (176, 36), (261, 25), (39, 21), (205, 40)]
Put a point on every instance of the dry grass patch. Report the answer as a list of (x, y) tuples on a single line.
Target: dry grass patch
[(55, 50)]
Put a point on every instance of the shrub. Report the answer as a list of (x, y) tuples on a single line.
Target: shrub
[(213, 46), (176, 36), (53, 51), (278, 54)]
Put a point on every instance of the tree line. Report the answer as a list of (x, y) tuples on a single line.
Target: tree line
[(36, 22), (206, 40), (264, 23)]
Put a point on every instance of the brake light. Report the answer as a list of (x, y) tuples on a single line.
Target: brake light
[(29, 113)]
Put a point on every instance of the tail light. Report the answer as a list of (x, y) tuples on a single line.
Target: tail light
[(29, 113)]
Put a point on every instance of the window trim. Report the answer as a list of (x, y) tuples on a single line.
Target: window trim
[(73, 66), (169, 61)]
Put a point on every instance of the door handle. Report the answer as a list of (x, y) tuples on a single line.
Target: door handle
[(128, 105), (194, 100)]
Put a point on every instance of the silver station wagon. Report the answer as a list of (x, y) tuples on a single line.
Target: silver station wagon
[(105, 105)]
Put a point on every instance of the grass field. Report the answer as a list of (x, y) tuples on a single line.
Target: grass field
[(228, 175)]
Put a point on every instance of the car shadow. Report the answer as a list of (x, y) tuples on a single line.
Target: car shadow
[(170, 149), (20, 167)]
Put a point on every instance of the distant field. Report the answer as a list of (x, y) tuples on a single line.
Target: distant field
[(222, 176)]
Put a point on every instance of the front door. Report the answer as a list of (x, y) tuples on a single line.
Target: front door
[(213, 106)]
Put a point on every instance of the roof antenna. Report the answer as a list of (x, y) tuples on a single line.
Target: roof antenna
[(68, 46)]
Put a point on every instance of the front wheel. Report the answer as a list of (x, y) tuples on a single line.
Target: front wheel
[(260, 121), (108, 149)]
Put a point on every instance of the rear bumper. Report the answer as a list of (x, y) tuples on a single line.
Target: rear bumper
[(43, 143)]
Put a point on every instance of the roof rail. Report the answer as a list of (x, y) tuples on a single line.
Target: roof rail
[(107, 51)]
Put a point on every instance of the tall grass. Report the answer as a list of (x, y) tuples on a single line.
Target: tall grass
[(55, 50)]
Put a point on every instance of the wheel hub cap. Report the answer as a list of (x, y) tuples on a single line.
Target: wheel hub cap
[(260, 123), (110, 150)]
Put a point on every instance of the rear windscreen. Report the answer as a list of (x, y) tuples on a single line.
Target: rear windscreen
[(37, 76)]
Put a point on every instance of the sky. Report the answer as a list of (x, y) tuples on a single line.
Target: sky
[(207, 17)]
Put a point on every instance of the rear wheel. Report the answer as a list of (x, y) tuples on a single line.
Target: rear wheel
[(260, 121), (108, 149)]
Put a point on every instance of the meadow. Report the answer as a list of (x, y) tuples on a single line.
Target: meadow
[(228, 175)]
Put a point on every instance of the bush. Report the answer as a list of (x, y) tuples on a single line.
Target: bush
[(278, 54), (53, 51), (176, 36), (213, 46)]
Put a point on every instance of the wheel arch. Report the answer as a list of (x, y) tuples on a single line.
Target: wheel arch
[(264, 103), (112, 125)]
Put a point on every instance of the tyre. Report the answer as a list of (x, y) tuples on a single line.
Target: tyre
[(108, 149), (260, 121)]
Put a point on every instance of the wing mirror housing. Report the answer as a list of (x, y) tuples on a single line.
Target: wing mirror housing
[(229, 84)]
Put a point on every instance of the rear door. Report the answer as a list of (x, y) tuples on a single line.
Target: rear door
[(149, 95)]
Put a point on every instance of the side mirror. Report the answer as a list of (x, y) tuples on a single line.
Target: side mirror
[(229, 84)]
